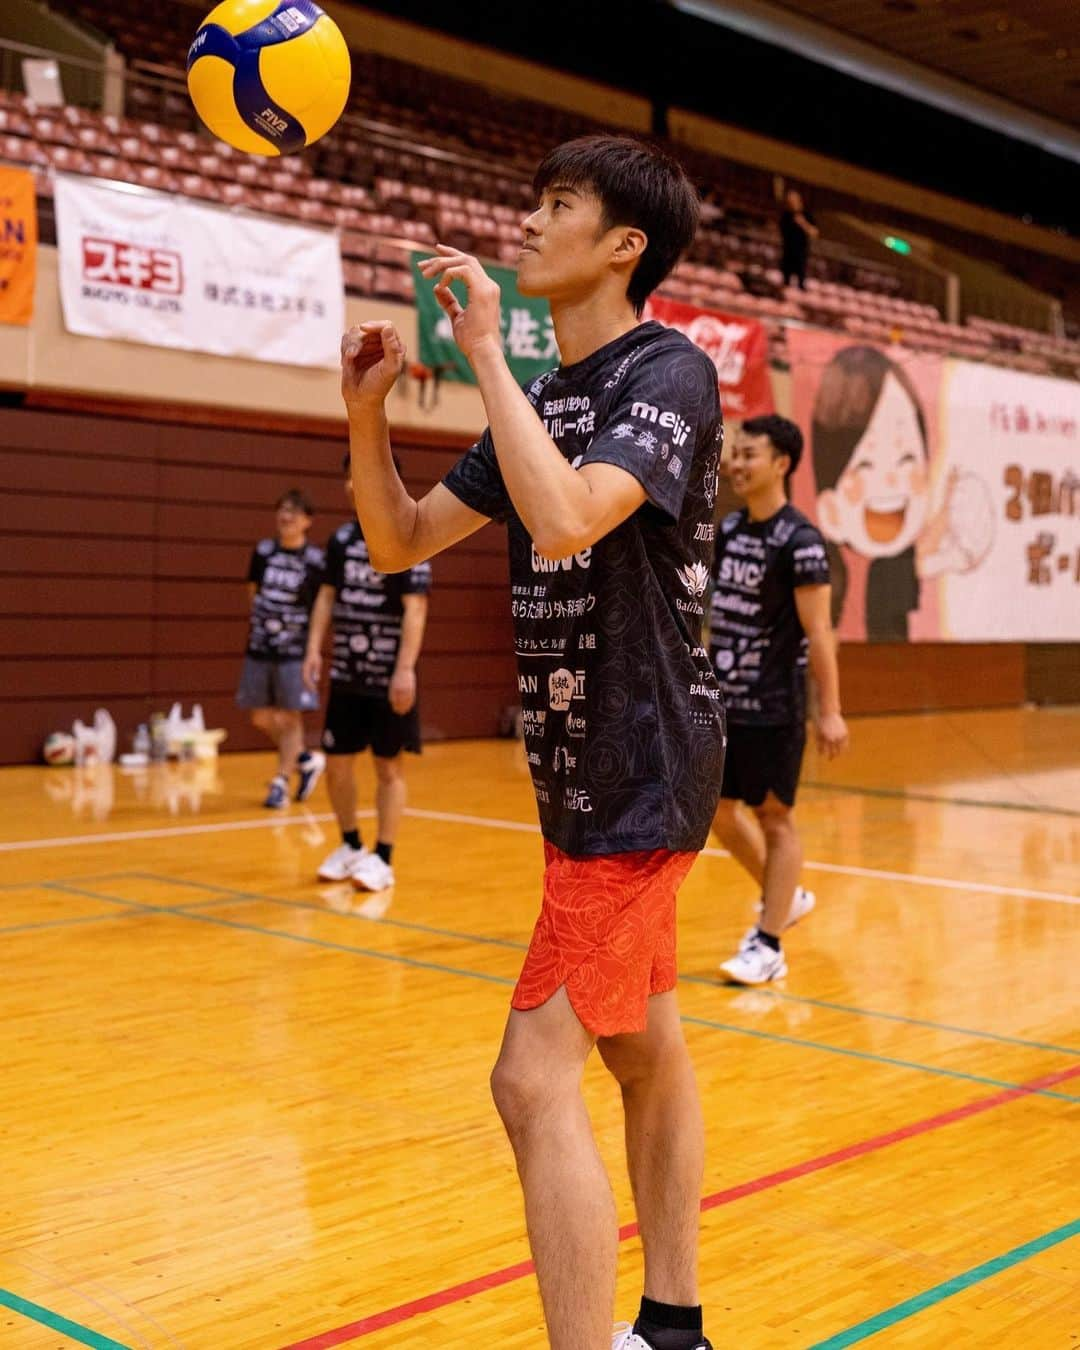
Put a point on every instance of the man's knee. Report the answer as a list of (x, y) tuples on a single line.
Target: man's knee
[(388, 771), (774, 818), (263, 718), (339, 768), (520, 1092)]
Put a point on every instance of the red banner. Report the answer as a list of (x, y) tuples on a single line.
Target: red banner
[(18, 246), (737, 347)]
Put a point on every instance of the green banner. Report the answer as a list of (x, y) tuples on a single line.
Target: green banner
[(528, 337)]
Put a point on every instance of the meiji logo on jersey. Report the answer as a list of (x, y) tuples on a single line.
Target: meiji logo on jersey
[(563, 686), (695, 577), (540, 564), (649, 412), (748, 575)]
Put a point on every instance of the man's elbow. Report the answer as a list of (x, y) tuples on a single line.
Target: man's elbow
[(555, 545), (388, 558)]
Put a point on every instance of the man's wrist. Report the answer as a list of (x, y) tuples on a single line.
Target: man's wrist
[(366, 406), (485, 353), (404, 668)]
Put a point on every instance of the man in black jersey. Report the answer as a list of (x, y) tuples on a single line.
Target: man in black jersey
[(770, 616), (283, 578), (378, 626), (604, 473)]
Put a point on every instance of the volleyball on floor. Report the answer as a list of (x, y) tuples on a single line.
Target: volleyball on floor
[(268, 76), (59, 748)]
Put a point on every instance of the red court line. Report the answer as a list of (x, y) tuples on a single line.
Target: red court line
[(456, 1293)]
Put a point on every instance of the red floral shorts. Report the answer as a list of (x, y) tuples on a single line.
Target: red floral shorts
[(607, 932)]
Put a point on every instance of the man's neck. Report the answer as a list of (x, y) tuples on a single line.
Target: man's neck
[(765, 504), (584, 325), (290, 542)]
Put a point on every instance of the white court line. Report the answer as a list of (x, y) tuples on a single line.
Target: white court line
[(491, 822)]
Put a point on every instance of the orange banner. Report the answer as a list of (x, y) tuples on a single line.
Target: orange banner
[(18, 245)]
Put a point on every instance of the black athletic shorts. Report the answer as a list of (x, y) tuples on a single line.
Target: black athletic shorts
[(356, 721), (760, 760)]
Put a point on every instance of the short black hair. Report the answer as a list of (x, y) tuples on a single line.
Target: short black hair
[(298, 500), (783, 435), (638, 184)]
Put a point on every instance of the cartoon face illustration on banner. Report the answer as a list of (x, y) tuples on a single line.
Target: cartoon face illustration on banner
[(870, 455)]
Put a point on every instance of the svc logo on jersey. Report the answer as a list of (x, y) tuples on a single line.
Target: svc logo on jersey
[(564, 686), (745, 575)]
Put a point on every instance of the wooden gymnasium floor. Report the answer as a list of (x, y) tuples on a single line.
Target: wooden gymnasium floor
[(242, 1112)]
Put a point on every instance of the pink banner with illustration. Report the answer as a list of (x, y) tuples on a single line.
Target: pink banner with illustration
[(948, 491), (738, 348)]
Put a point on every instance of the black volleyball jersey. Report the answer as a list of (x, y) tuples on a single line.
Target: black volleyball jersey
[(622, 714), (287, 581), (368, 612), (757, 643)]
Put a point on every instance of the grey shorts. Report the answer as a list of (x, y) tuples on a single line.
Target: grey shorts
[(274, 684)]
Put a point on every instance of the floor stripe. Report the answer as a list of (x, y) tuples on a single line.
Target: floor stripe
[(410, 926), (900, 1312), (902, 794), (36, 1313), (865, 1055), (404, 1312), (967, 886)]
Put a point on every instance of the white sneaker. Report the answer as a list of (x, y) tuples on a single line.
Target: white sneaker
[(341, 863), (372, 874), (802, 902), (755, 963), (625, 1338)]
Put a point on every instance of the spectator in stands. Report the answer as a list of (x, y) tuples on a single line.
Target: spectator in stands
[(797, 229), (378, 625), (283, 579)]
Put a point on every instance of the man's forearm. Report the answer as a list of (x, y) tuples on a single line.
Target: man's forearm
[(412, 636), (549, 496), (319, 623), (824, 668), (386, 512)]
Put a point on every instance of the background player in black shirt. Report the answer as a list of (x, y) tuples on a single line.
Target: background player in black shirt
[(770, 616), (604, 471), (283, 577), (378, 623), (797, 229)]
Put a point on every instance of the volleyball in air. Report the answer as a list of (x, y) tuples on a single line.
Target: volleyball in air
[(268, 76), (59, 748)]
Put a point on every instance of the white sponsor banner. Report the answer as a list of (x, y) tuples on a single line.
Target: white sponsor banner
[(1011, 469), (149, 267)]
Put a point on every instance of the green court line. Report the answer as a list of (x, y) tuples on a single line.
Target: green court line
[(36, 1313), (901, 794), (825, 1048), (708, 982), (900, 1312)]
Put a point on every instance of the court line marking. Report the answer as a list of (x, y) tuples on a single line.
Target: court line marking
[(495, 823), (900, 1312), (404, 1312), (900, 794), (705, 981), (55, 1322), (415, 962)]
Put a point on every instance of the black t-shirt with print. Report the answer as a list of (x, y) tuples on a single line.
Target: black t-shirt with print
[(368, 611), (623, 720), (757, 643), (287, 581)]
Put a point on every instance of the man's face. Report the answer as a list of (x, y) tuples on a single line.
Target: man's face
[(566, 248), (753, 466), (882, 498), (293, 523)]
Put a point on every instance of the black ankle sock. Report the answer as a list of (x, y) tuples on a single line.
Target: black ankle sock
[(772, 942), (352, 838), (384, 851), (666, 1326)]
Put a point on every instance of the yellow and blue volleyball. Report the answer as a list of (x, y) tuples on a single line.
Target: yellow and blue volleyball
[(268, 76)]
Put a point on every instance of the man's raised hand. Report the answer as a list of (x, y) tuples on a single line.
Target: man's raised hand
[(477, 322), (372, 358)]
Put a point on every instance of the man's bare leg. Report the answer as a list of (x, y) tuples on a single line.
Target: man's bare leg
[(783, 862), (391, 794), (741, 835), (569, 1208), (665, 1147), (341, 785)]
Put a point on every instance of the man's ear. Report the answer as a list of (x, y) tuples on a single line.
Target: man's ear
[(630, 245), (829, 516)]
